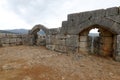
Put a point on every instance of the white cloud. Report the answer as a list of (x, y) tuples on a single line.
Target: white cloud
[(10, 20), (51, 13)]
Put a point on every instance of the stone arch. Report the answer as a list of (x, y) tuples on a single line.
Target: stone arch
[(104, 45), (37, 28), (106, 23), (34, 36)]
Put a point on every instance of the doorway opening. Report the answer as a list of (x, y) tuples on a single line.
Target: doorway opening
[(97, 40), (93, 40), (41, 38)]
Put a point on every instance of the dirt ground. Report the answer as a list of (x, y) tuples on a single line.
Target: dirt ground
[(38, 63)]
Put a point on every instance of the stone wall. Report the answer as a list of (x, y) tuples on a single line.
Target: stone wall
[(77, 22), (72, 37), (8, 39), (117, 55), (108, 20)]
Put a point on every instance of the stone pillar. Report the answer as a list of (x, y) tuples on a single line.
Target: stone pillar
[(117, 55), (106, 43), (83, 42)]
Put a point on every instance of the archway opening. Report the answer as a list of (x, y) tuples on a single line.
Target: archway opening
[(97, 40), (92, 36), (41, 38)]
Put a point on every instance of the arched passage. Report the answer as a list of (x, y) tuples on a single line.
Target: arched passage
[(37, 36), (41, 38), (103, 45), (92, 36)]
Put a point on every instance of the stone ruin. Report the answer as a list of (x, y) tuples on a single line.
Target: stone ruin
[(73, 36)]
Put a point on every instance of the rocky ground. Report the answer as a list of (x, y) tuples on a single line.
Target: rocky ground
[(38, 63)]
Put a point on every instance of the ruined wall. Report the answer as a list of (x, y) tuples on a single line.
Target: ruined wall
[(7, 39), (72, 37), (108, 19), (117, 55)]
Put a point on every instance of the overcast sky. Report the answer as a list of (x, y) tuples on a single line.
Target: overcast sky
[(16, 14)]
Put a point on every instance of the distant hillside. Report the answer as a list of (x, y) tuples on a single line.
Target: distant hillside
[(18, 31), (3, 31)]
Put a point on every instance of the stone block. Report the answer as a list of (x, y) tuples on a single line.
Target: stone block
[(115, 18), (115, 28), (106, 34), (54, 31), (117, 58), (98, 13), (5, 40), (63, 29), (12, 40), (15, 35), (60, 42), (51, 39), (2, 35), (4, 45), (83, 44), (72, 40), (112, 11), (106, 47), (107, 40), (83, 38), (18, 40), (72, 17), (50, 47), (84, 16), (118, 44), (107, 23), (60, 48), (71, 49), (83, 50)]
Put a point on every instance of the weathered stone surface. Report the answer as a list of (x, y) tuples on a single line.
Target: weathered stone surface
[(118, 45), (98, 13), (37, 28), (51, 39), (72, 49), (5, 44), (10, 39), (53, 31), (72, 17), (60, 42), (83, 44), (60, 48), (116, 28), (117, 58), (114, 18), (112, 11), (83, 38), (82, 17), (50, 47), (5, 40), (63, 29), (72, 40)]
